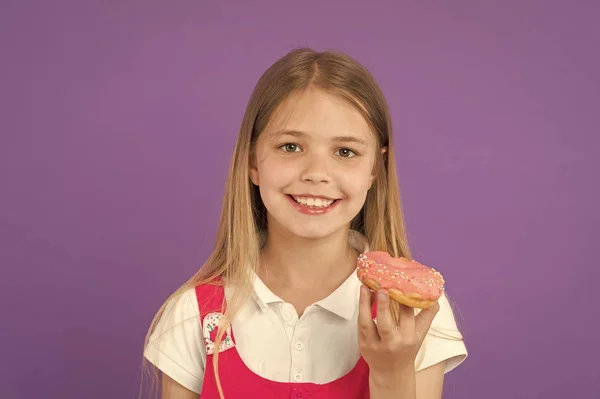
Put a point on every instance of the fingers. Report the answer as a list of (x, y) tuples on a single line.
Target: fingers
[(406, 321), (424, 319), (385, 321), (366, 327), (411, 327)]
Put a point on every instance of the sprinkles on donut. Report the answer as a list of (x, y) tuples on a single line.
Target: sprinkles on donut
[(408, 282)]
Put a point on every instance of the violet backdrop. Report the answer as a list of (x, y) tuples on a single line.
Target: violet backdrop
[(118, 121)]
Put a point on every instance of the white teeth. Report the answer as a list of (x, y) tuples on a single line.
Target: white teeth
[(316, 202)]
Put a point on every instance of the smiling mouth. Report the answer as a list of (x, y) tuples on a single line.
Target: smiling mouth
[(315, 202)]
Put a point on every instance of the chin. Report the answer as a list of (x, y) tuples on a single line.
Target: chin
[(312, 233), (313, 230)]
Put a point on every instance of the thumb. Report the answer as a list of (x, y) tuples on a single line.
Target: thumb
[(424, 318)]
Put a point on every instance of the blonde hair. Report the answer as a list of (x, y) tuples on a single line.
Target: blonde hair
[(243, 215)]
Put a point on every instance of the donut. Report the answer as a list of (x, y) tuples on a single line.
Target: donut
[(408, 282)]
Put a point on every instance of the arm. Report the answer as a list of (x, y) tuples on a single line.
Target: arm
[(430, 382), (173, 390), (425, 384)]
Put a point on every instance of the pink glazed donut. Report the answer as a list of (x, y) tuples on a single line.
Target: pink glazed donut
[(408, 282)]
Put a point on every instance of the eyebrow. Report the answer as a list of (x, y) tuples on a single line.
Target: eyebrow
[(341, 139)]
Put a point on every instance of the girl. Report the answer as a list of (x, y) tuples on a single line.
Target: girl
[(277, 311)]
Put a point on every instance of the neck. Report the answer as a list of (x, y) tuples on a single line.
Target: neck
[(304, 262)]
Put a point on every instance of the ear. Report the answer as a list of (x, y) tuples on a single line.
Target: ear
[(383, 151), (253, 173), (372, 179)]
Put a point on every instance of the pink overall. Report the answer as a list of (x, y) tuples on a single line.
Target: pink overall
[(239, 382)]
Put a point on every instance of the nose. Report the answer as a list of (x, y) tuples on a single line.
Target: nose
[(316, 169)]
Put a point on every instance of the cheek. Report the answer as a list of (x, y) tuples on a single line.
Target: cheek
[(275, 174), (357, 182)]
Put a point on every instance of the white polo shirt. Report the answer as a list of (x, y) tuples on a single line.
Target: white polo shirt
[(318, 347)]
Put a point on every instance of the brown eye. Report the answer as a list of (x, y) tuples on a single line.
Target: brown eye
[(346, 153)]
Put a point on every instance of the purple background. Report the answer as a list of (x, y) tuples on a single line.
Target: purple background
[(118, 120)]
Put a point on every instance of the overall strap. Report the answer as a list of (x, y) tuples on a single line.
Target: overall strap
[(211, 297)]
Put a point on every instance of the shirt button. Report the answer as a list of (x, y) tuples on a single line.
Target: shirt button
[(298, 377), (299, 346), (287, 316)]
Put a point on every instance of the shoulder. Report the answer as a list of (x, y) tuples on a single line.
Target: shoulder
[(180, 307), (187, 305), (180, 312), (445, 318), (184, 304)]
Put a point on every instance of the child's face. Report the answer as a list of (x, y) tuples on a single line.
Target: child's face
[(316, 146)]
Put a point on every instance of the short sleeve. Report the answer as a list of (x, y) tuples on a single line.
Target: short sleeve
[(176, 346), (443, 342)]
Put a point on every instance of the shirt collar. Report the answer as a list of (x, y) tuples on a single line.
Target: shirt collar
[(262, 294), (341, 302)]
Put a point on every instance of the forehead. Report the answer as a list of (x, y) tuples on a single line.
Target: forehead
[(319, 114)]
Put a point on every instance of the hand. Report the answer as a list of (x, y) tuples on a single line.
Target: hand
[(389, 347)]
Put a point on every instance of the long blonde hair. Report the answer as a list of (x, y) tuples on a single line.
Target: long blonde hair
[(243, 215)]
